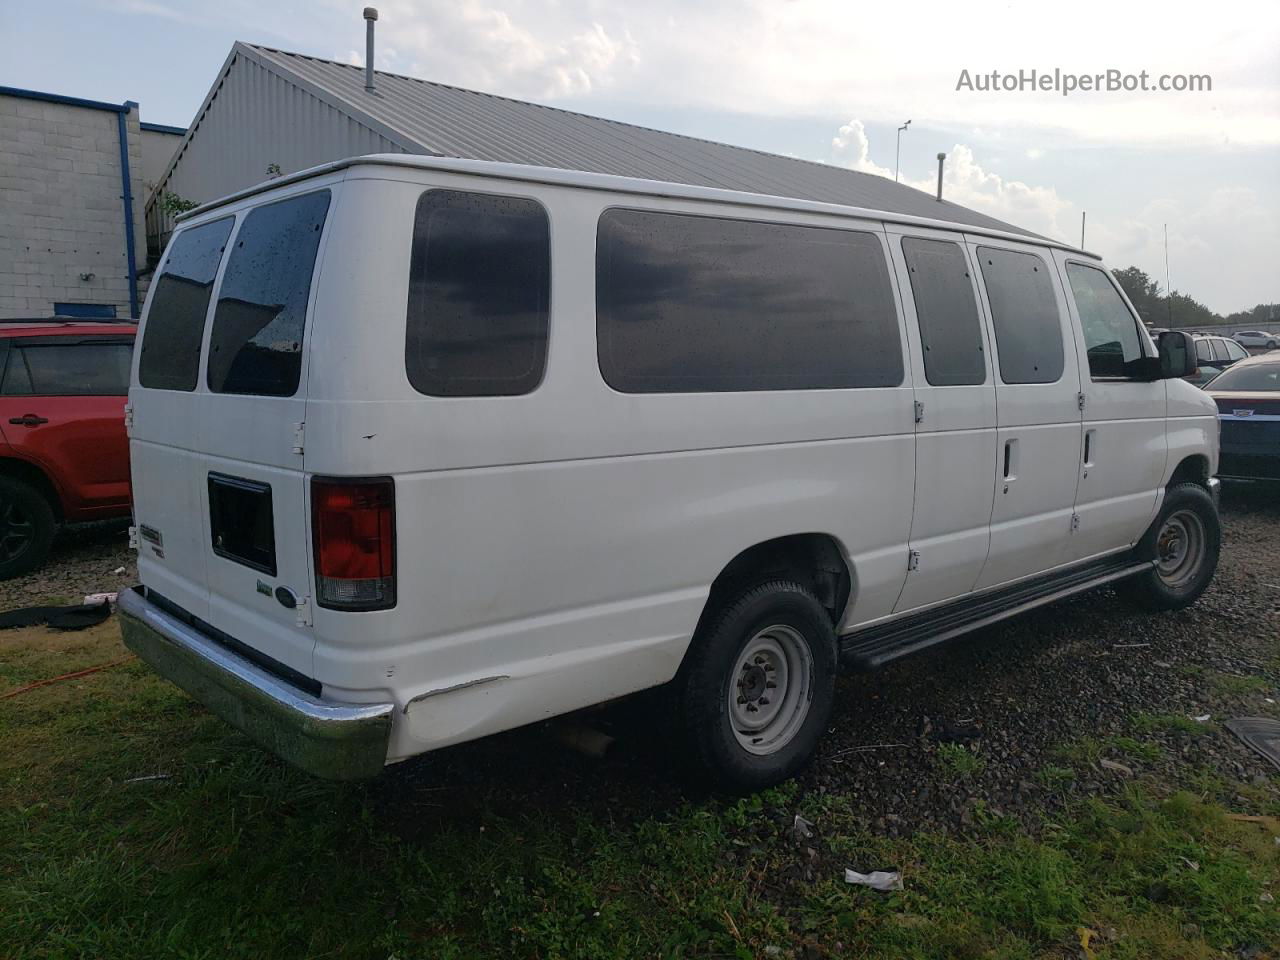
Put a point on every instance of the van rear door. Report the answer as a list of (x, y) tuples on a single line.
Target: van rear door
[(167, 465), (252, 417)]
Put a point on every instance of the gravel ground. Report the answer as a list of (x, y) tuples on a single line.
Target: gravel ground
[(84, 560), (1011, 695)]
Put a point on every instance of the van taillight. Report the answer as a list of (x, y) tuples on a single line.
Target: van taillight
[(353, 524)]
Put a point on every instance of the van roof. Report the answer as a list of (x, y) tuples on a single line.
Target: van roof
[(616, 184)]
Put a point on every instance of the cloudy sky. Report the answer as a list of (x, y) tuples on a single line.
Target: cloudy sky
[(819, 79)]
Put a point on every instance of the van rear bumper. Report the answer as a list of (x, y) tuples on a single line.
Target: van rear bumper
[(336, 741)]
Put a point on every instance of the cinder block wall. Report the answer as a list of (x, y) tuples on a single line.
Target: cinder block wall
[(61, 207)]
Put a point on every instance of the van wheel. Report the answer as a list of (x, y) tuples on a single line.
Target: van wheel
[(1184, 543), (27, 526), (755, 691)]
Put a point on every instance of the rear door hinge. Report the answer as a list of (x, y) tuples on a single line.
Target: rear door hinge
[(1080, 399), (919, 411), (133, 538), (298, 430), (913, 560), (1075, 522), (302, 612), (128, 420)]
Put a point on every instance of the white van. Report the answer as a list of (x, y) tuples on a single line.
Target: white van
[(425, 449)]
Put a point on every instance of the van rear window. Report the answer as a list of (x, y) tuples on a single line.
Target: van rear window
[(479, 295), (170, 353), (707, 304), (256, 343)]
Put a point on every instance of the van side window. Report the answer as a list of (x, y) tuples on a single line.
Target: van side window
[(1110, 330), (691, 303), (479, 295), (170, 351), (947, 312), (256, 343), (1025, 315)]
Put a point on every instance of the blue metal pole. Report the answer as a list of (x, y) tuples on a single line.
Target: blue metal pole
[(127, 196)]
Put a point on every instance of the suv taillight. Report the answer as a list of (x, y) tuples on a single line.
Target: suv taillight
[(353, 525)]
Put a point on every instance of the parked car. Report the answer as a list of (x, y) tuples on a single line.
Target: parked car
[(64, 456), (1256, 338), (413, 467), (1248, 399), (1214, 354)]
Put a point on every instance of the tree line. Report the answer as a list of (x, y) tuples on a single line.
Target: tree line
[(1179, 310)]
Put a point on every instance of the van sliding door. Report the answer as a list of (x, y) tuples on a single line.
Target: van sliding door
[(1037, 410), (956, 429)]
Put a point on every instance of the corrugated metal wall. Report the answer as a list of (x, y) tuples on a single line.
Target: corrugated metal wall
[(256, 119)]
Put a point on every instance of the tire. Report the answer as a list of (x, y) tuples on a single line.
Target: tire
[(1271, 344), (1184, 541), (773, 642), (27, 526)]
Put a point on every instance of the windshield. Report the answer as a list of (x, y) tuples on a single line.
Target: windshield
[(1260, 378)]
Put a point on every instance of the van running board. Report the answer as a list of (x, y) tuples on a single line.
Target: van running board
[(876, 646)]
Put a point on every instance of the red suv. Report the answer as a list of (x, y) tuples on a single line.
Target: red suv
[(64, 456)]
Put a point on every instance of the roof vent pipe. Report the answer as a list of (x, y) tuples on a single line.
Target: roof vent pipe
[(370, 17), (941, 159)]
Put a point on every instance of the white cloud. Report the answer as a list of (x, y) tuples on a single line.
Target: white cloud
[(967, 182), (818, 58), (525, 50), (1215, 236)]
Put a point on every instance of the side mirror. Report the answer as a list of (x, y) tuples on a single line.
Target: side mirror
[(1177, 355)]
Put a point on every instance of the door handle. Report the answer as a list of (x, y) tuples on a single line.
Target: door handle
[(1010, 463), (28, 420), (1010, 459)]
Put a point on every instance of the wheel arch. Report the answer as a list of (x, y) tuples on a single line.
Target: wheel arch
[(1193, 468), (815, 560), (35, 477)]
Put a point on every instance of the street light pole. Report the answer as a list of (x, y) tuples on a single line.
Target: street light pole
[(897, 152)]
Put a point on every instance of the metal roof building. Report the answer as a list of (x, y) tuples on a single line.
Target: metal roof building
[(272, 112)]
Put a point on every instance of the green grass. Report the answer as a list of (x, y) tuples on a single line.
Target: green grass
[(1230, 684), (1171, 723), (238, 856), (959, 760)]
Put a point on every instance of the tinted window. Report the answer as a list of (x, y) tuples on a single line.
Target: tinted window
[(686, 303), (947, 312), (170, 358), (1110, 331), (1220, 349), (256, 344), (1203, 353), (1235, 351), (1253, 378), (1025, 315), (479, 295), (61, 367)]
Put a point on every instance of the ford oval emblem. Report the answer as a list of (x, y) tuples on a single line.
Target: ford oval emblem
[(288, 599), (1242, 413)]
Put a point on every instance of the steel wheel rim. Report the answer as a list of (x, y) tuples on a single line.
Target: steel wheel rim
[(770, 689), (1180, 548), (16, 531)]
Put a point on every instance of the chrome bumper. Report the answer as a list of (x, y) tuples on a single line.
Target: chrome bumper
[(336, 741), (1215, 490)]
